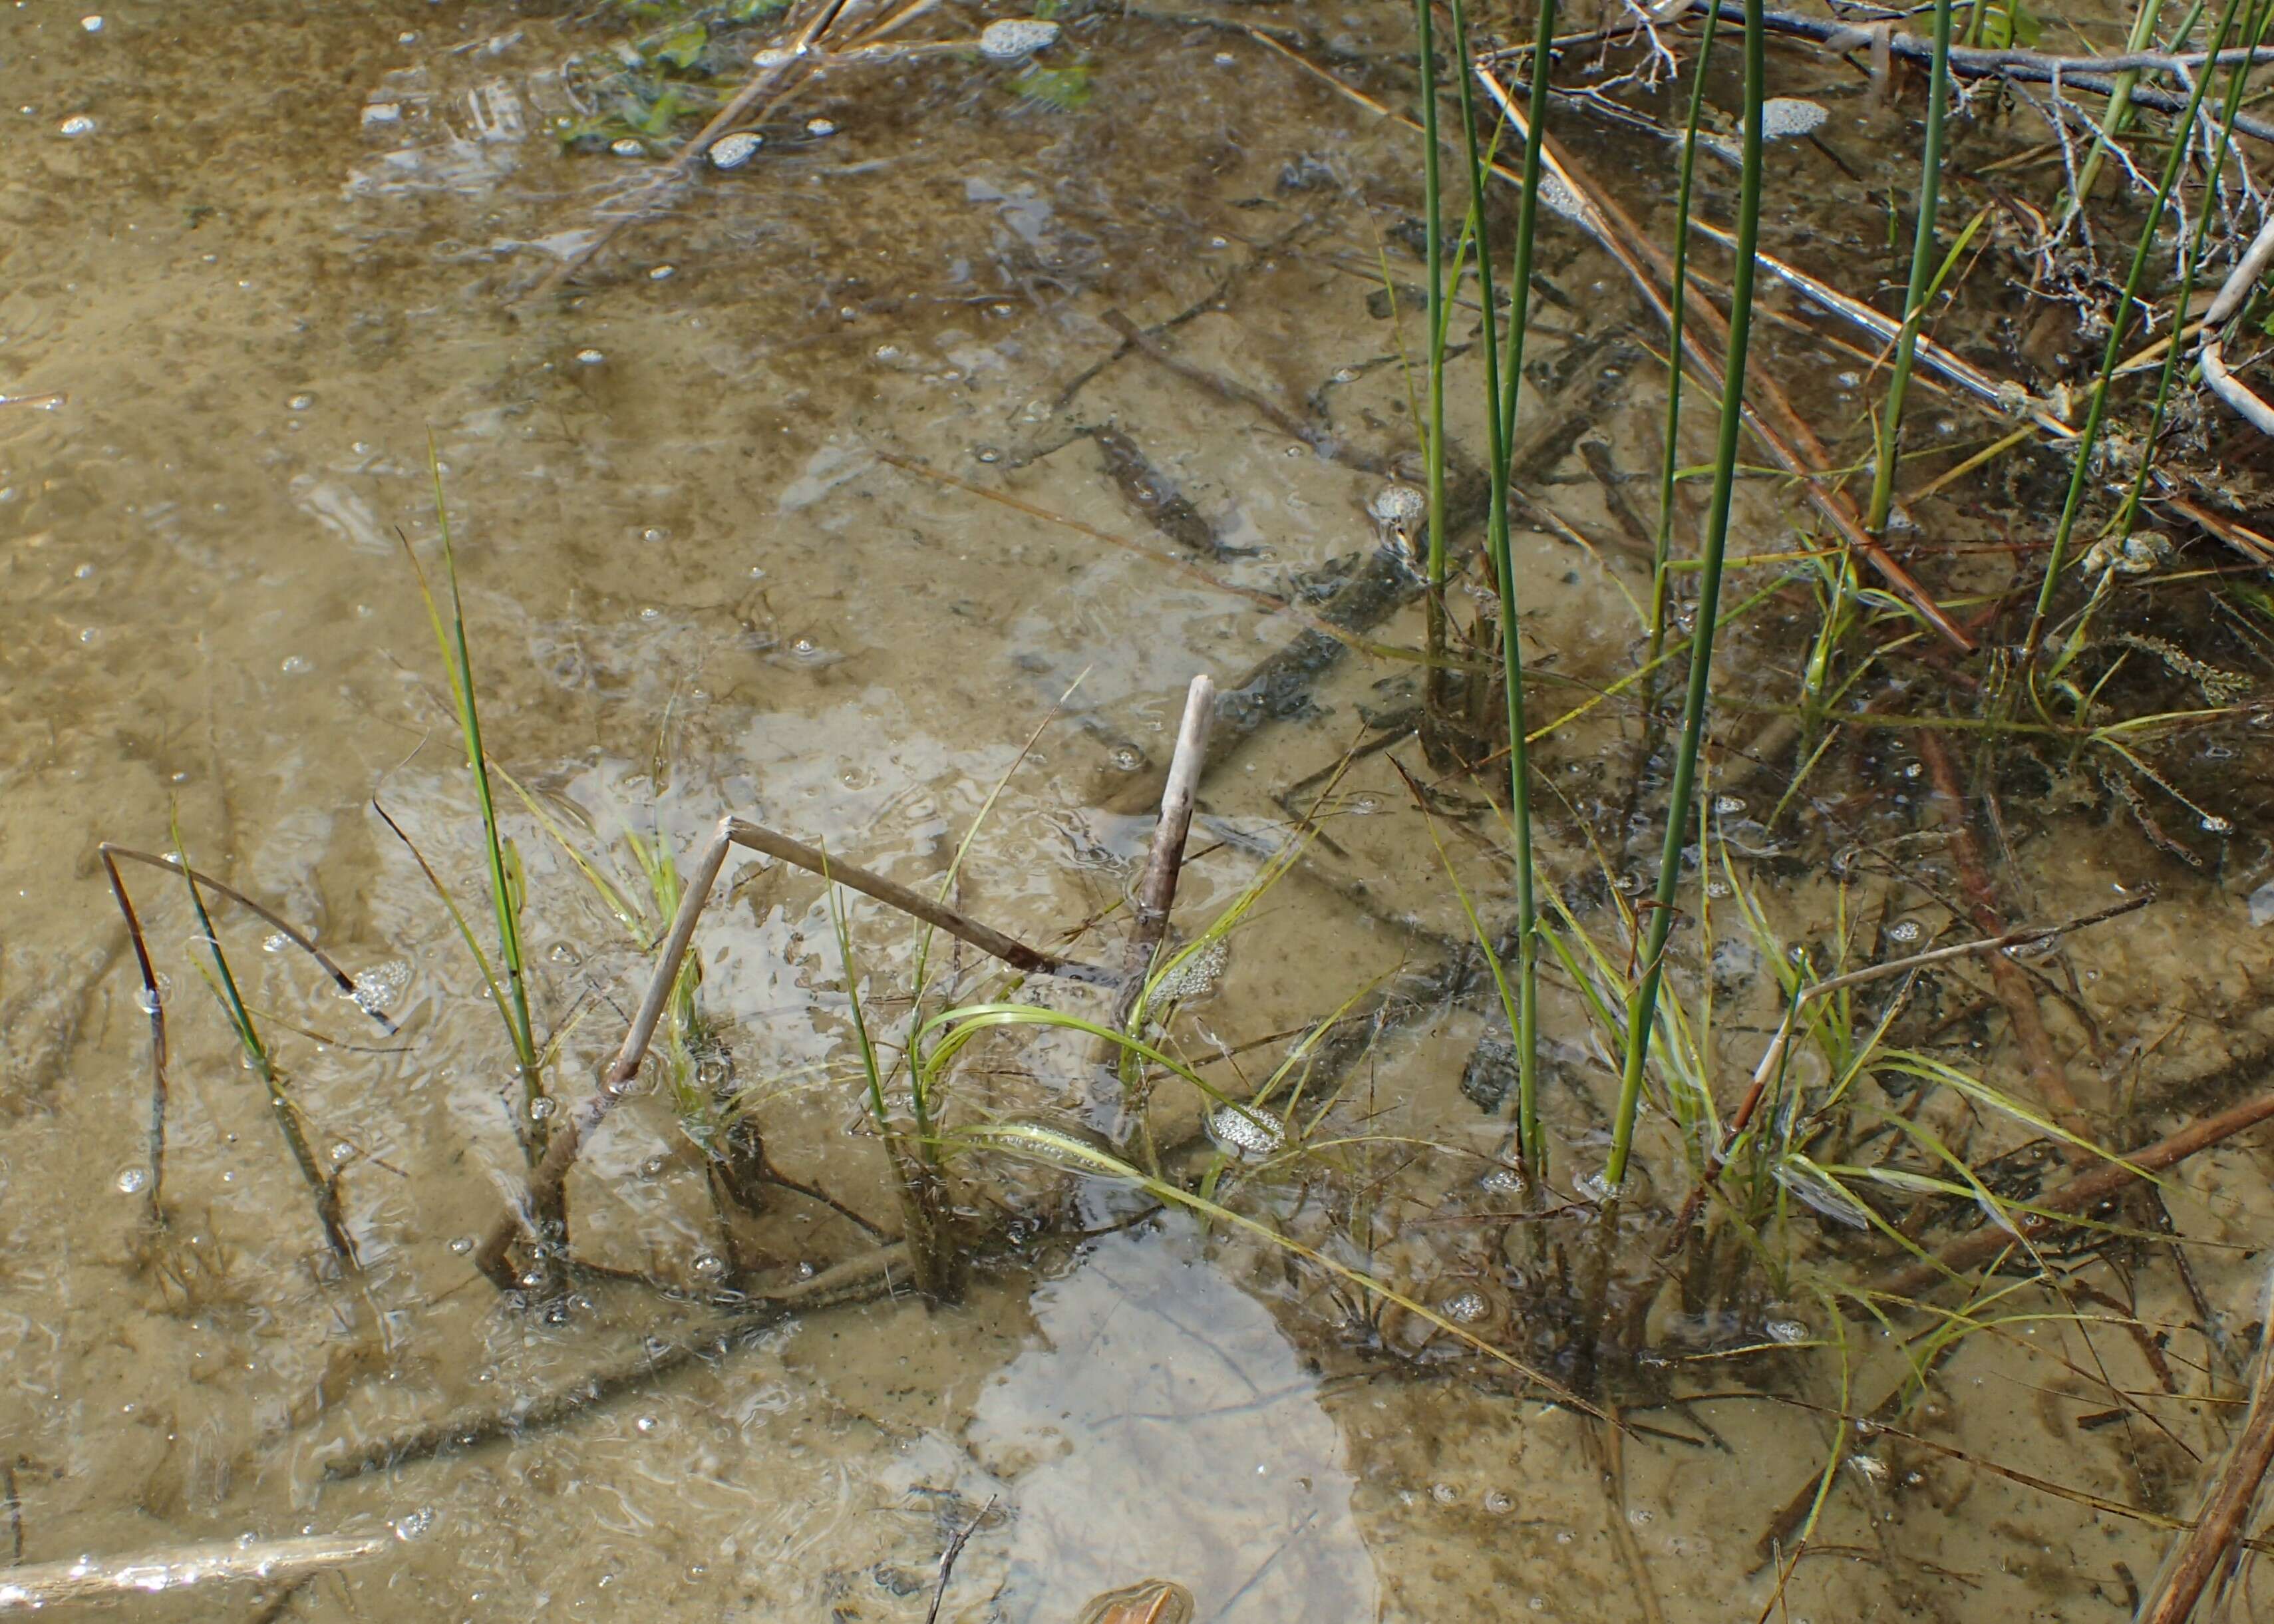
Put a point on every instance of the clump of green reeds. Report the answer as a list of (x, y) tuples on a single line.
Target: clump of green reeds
[(506, 980)]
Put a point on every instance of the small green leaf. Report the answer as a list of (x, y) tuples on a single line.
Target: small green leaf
[(683, 47)]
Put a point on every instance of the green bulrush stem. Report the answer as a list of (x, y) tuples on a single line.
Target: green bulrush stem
[(1930, 198), (1531, 1144), (503, 892), (1642, 1008), (1433, 226), (2119, 326), (1677, 304), (2120, 102), (1432, 448), (1510, 384)]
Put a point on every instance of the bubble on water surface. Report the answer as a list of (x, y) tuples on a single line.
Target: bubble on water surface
[(1787, 1331), (627, 149), (820, 126), (589, 357), (1905, 931), (92, 24), (78, 124), (132, 1180), (663, 273), (462, 1244), (1014, 37), (732, 152), (411, 1524)]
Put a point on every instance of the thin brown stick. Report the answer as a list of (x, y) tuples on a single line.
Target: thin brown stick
[(1781, 429), (2219, 1525), (2079, 1194), (224, 1561), (947, 1559), (988, 940), (864, 1279), (2012, 984), (1156, 892), (548, 1179)]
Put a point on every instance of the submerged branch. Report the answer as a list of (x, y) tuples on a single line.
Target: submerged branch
[(180, 1568)]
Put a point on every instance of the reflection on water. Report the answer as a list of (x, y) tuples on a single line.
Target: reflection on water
[(1177, 1434)]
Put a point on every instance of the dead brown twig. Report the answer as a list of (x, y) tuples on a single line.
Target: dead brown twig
[(2080, 1194), (1156, 892), (2219, 1525)]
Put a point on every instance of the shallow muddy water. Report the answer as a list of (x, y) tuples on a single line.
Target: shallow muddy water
[(255, 256)]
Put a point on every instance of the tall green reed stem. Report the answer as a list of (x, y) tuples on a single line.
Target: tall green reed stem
[(1677, 305), (504, 876), (1504, 376), (2119, 99), (1915, 299), (1432, 227), (2120, 325), (1642, 1006)]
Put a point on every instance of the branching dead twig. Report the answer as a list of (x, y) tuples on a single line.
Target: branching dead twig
[(2095, 74), (947, 1559), (548, 1178), (2233, 294)]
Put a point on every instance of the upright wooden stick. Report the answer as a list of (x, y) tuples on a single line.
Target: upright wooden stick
[(1156, 892)]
